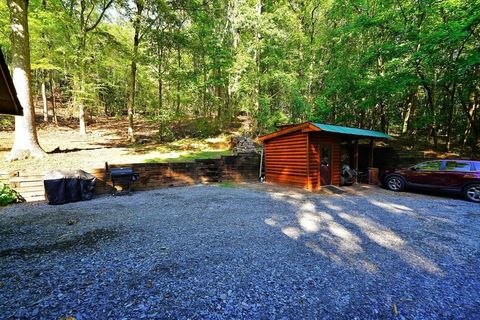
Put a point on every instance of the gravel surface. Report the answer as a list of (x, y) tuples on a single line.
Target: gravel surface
[(255, 252)]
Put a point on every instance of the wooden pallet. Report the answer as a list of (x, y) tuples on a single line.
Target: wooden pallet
[(30, 187)]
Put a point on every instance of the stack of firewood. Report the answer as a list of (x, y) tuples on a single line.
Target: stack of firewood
[(242, 144)]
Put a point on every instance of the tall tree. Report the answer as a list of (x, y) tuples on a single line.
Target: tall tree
[(26, 141), (88, 15), (409, 67), (137, 23)]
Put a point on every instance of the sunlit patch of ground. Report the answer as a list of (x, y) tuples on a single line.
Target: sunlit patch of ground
[(106, 142), (183, 156)]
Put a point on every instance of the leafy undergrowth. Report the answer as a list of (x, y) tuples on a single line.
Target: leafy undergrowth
[(7, 195)]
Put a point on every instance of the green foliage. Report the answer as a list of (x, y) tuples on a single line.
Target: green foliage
[(6, 121), (381, 65), (227, 184), (7, 195), (203, 128), (195, 128)]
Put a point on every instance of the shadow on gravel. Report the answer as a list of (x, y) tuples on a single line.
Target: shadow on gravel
[(361, 238), (88, 239)]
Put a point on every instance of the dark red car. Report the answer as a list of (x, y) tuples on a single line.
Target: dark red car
[(458, 176)]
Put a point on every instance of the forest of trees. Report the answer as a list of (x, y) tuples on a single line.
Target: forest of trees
[(407, 67)]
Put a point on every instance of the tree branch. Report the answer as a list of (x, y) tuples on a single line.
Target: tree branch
[(105, 7)]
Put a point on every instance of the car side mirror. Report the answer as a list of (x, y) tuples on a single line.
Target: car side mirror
[(413, 169)]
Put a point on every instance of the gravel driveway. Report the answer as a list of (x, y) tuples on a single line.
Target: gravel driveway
[(254, 252)]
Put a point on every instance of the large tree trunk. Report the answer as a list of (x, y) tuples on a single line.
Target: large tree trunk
[(233, 81), (26, 142), (473, 125), (407, 113), (81, 89), (381, 104), (160, 91), (312, 53), (257, 59), (160, 76), (431, 109), (383, 117), (160, 112), (87, 23), (179, 64), (131, 101), (81, 118), (133, 70), (52, 97), (204, 86), (44, 98), (450, 95)]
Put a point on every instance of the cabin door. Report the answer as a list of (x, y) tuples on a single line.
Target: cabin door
[(325, 164)]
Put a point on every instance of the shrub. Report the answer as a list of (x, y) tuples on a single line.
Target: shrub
[(7, 195), (196, 128)]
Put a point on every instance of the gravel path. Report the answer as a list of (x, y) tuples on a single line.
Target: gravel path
[(252, 253)]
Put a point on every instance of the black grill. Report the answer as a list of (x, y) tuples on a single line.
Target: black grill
[(124, 175), (121, 172)]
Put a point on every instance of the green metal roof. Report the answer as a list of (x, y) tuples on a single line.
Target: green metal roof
[(351, 131)]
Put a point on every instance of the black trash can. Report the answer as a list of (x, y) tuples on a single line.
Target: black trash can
[(68, 186)]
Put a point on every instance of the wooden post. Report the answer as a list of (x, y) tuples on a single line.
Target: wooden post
[(350, 154), (355, 158), (370, 154), (309, 181), (319, 165)]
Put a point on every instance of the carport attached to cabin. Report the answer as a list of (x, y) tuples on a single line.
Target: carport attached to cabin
[(310, 155)]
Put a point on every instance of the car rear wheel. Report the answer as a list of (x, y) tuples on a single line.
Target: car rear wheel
[(395, 183), (472, 192)]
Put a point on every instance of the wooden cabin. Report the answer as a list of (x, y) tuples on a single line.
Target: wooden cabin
[(308, 155), (9, 103)]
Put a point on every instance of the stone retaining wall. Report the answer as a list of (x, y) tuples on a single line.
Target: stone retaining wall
[(238, 168), (243, 167)]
